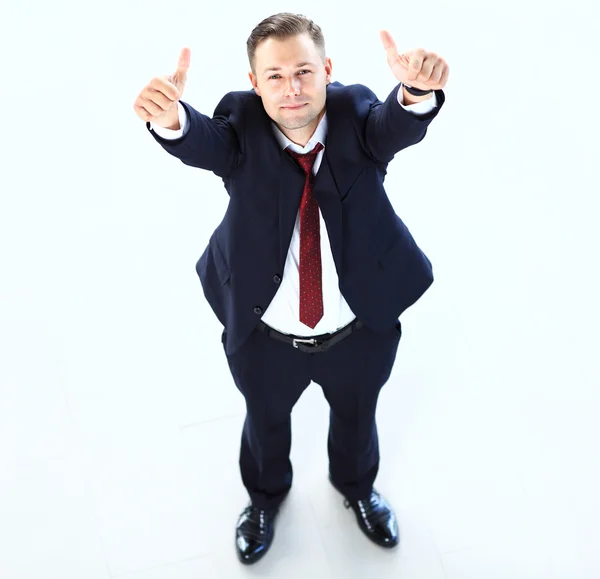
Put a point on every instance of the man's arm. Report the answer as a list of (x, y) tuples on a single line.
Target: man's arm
[(201, 141), (391, 128)]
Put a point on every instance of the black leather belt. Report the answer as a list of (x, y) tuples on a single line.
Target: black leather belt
[(313, 344)]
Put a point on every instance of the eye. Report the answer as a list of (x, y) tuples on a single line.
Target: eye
[(303, 70)]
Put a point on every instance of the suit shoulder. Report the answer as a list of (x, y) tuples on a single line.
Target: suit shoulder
[(236, 107), (238, 99), (352, 92), (362, 92), (355, 99)]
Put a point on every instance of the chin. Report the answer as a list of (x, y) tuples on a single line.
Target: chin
[(296, 123)]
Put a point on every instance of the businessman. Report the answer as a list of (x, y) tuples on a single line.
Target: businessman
[(310, 268)]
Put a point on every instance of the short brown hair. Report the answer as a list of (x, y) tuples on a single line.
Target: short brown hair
[(280, 26)]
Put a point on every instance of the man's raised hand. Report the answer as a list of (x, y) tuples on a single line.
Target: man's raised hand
[(417, 68), (157, 102)]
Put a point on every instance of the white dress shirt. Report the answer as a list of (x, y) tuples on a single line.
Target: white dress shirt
[(283, 313)]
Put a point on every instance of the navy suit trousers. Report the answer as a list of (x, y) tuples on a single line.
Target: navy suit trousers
[(271, 375)]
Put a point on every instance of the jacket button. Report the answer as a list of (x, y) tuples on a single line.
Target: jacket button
[(257, 310), (276, 279)]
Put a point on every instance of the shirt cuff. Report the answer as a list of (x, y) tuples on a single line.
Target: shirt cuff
[(170, 133), (421, 108)]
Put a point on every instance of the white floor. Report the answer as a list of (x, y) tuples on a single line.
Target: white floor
[(119, 458)]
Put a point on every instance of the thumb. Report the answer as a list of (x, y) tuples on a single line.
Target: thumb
[(388, 43), (180, 75)]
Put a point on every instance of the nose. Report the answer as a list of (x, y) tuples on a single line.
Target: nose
[(292, 87)]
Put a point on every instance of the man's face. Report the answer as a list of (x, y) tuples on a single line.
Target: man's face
[(291, 78)]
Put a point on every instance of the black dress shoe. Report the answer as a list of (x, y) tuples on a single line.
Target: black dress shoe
[(254, 533), (375, 518)]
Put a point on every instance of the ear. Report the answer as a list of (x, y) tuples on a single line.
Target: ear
[(328, 68), (254, 83)]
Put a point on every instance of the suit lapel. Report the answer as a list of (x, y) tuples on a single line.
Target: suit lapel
[(338, 171), (288, 178), (330, 204), (291, 185), (341, 146)]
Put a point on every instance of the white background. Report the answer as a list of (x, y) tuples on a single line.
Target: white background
[(119, 422)]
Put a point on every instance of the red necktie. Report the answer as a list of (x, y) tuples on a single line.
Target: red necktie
[(311, 289)]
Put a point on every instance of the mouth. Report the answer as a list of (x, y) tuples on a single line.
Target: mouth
[(293, 107)]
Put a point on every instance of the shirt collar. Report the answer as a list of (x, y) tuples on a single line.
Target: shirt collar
[(317, 137)]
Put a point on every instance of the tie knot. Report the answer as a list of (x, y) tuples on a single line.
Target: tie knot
[(306, 160)]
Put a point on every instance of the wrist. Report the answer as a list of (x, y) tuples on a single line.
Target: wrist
[(174, 126), (409, 98)]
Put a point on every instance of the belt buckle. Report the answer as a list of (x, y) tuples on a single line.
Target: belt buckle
[(296, 341)]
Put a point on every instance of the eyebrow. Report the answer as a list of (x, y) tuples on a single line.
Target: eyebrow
[(299, 65)]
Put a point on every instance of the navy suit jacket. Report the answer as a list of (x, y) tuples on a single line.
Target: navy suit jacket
[(381, 269)]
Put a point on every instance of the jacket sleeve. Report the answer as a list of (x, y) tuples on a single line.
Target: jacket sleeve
[(390, 127), (208, 143)]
